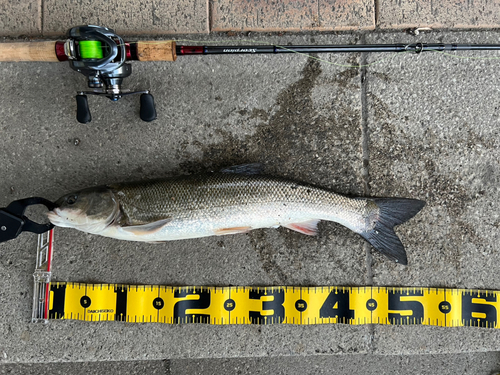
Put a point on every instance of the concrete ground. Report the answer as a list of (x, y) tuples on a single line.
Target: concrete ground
[(414, 126), (421, 126), (445, 364)]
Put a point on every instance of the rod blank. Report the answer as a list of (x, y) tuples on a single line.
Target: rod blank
[(375, 48)]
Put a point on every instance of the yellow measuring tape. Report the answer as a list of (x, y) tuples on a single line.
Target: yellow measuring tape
[(274, 305)]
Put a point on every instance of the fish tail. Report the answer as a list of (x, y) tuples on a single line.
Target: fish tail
[(392, 212)]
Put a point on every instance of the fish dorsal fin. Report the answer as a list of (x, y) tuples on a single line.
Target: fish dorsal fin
[(309, 227), (150, 228), (252, 168)]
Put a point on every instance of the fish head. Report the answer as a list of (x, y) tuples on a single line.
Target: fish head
[(89, 210)]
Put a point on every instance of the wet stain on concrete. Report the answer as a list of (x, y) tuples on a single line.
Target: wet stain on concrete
[(292, 126), (267, 255), (442, 186), (345, 78), (255, 113), (381, 111), (382, 76)]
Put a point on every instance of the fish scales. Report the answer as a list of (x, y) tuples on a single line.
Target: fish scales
[(206, 195)]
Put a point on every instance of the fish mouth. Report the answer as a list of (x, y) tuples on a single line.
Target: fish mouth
[(62, 218), (55, 217)]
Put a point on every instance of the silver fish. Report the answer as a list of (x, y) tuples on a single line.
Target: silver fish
[(234, 200)]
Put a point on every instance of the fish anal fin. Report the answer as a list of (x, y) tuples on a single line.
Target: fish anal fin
[(309, 227), (149, 228), (234, 230)]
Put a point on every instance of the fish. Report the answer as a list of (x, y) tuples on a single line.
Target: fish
[(231, 201)]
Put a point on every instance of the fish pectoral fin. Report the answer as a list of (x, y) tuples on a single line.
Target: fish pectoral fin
[(309, 227), (148, 228), (234, 230)]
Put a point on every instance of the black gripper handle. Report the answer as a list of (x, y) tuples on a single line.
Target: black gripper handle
[(82, 109), (148, 110)]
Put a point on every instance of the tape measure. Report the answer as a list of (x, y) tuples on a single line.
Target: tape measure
[(256, 305), (273, 305)]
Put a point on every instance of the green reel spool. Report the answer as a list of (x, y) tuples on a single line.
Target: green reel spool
[(90, 49)]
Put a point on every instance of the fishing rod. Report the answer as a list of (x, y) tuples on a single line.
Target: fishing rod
[(102, 55)]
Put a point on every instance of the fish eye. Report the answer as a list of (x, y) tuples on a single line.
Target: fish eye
[(71, 199)]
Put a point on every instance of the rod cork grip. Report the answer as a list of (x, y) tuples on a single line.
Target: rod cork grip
[(28, 51), (154, 50)]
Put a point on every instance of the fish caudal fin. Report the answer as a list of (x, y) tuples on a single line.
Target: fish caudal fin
[(392, 212)]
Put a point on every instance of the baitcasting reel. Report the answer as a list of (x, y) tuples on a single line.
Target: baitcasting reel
[(99, 54)]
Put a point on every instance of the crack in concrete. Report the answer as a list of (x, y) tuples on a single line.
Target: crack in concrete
[(40, 19), (210, 15), (376, 7)]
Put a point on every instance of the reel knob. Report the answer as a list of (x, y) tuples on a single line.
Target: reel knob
[(148, 110), (82, 109)]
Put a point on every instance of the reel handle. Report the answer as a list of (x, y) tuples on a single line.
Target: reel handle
[(147, 111)]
